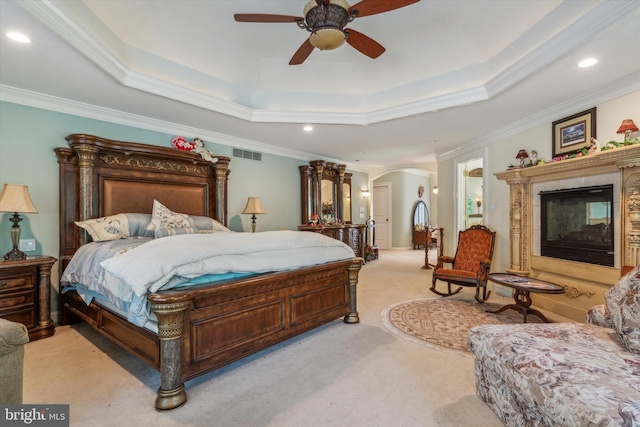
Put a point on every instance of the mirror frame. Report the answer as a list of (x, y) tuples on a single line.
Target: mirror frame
[(311, 178)]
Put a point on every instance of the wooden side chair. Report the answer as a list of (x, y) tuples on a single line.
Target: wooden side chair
[(470, 265)]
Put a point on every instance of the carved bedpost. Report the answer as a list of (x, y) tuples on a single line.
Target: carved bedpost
[(631, 206), (353, 316), (340, 192), (222, 171), (171, 393), (44, 286), (319, 167), (86, 156), (519, 226)]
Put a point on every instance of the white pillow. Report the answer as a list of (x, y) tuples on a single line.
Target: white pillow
[(112, 227)]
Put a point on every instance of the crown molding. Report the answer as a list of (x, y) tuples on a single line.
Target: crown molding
[(80, 109), (623, 86), (86, 43), (599, 19), (60, 20)]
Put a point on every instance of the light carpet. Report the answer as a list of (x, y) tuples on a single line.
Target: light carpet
[(444, 323)]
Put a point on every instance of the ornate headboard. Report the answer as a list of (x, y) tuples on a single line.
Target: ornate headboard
[(100, 177)]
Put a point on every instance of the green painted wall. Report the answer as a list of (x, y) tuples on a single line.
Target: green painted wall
[(29, 135)]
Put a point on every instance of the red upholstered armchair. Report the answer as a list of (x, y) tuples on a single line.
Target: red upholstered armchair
[(470, 265)]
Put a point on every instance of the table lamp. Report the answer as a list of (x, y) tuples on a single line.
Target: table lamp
[(522, 154), (627, 128), (253, 207), (15, 198)]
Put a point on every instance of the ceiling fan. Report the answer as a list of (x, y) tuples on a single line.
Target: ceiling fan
[(326, 21)]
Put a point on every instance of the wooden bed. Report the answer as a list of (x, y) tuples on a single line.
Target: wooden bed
[(200, 329)]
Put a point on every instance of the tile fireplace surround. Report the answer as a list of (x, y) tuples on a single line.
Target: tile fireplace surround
[(585, 284)]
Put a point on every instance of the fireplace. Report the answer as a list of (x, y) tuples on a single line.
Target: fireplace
[(577, 224)]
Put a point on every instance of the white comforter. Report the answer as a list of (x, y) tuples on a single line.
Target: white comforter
[(154, 265)]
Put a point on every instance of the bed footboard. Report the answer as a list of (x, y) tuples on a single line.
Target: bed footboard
[(204, 329)]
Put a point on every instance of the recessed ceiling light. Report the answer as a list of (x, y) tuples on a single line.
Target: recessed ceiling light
[(587, 62), (18, 37), (308, 128)]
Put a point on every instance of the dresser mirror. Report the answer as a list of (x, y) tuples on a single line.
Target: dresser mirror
[(346, 197), (329, 200), (420, 216), (325, 191)]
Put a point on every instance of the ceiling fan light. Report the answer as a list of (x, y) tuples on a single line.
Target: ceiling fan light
[(327, 38)]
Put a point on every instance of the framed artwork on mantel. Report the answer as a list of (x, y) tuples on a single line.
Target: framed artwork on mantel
[(573, 133)]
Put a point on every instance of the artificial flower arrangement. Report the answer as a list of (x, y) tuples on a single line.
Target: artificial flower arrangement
[(327, 209), (369, 253), (611, 145)]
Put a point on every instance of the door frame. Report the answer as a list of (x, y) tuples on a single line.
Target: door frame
[(459, 200), (389, 190)]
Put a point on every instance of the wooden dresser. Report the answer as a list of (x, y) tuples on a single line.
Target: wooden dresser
[(351, 234), (25, 294)]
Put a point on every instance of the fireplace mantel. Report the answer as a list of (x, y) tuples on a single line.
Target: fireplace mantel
[(585, 283)]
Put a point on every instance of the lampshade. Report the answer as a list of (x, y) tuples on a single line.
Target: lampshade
[(327, 38), (627, 126), (522, 154), (253, 206), (435, 189), (15, 198)]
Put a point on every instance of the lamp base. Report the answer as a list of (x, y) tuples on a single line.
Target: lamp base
[(14, 231), (15, 254)]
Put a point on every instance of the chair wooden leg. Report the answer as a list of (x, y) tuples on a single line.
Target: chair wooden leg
[(485, 294)]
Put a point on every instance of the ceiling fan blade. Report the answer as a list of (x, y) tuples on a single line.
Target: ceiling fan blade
[(366, 45), (265, 17), (372, 7), (302, 53)]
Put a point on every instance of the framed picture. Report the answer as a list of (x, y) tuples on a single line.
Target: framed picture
[(573, 133)]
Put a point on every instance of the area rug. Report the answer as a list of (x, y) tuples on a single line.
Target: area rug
[(444, 323)]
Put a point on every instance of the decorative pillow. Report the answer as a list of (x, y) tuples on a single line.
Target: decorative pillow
[(599, 316), (623, 304), (163, 217), (111, 227), (138, 223), (164, 231), (204, 223)]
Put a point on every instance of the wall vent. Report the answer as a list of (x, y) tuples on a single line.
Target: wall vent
[(245, 154)]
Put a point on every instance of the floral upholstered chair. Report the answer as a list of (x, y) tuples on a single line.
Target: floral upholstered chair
[(470, 265)]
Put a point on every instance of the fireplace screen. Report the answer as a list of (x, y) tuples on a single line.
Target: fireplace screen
[(577, 224)]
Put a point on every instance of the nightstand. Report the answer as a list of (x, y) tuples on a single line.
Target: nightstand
[(25, 294)]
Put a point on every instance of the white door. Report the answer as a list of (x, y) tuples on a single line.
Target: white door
[(382, 214)]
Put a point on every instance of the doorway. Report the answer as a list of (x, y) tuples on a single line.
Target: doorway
[(470, 194)]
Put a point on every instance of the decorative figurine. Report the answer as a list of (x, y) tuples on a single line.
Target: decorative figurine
[(204, 153), (594, 147)]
